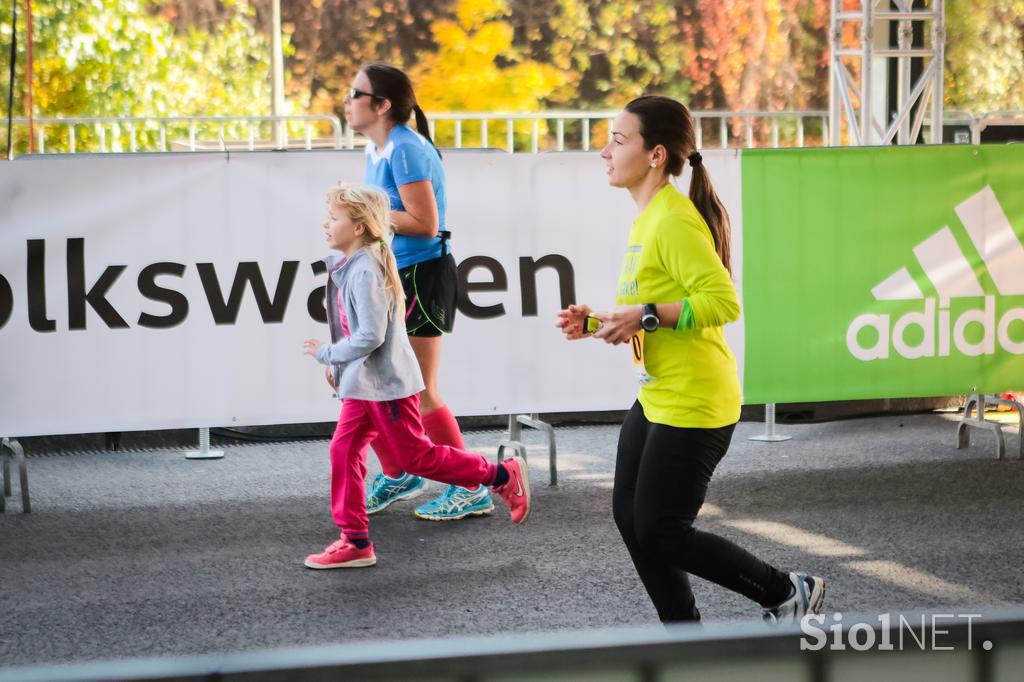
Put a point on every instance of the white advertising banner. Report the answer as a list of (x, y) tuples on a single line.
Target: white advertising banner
[(171, 291)]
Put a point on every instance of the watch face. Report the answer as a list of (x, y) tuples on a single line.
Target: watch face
[(649, 323)]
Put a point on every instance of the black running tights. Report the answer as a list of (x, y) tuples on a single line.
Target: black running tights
[(661, 478)]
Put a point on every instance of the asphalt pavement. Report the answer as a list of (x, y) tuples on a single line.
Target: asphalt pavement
[(145, 553)]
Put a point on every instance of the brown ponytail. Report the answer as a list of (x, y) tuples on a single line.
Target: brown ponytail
[(704, 197), (667, 122)]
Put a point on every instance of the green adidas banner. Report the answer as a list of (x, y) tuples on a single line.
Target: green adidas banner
[(882, 272)]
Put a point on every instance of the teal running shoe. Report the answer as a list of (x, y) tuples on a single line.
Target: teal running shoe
[(386, 491), (457, 503)]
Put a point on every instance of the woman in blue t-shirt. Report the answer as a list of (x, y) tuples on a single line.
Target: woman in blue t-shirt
[(406, 165)]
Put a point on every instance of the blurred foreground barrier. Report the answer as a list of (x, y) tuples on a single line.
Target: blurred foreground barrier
[(908, 647)]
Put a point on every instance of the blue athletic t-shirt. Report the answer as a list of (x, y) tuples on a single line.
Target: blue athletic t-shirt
[(408, 157)]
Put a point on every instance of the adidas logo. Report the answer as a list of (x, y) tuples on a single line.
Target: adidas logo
[(952, 276)]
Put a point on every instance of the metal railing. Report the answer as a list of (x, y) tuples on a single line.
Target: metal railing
[(977, 125), (513, 132), (1012, 117), (180, 133), (576, 129)]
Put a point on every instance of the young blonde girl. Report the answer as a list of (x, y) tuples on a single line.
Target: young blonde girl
[(374, 370)]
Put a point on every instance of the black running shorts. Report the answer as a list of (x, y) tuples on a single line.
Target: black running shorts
[(431, 293)]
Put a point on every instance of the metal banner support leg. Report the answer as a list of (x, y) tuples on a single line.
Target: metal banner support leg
[(204, 451), (976, 403), (10, 449), (513, 441), (769, 435)]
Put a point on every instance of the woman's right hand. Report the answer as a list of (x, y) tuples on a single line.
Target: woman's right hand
[(570, 321), (330, 379)]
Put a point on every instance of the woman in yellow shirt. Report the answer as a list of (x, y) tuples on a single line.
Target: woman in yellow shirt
[(674, 295)]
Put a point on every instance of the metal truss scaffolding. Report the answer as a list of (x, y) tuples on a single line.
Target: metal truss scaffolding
[(861, 53)]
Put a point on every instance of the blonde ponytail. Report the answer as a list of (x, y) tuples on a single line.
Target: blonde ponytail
[(370, 208), (391, 277)]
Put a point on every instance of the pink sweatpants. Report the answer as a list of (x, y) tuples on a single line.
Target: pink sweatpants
[(440, 427), (397, 424)]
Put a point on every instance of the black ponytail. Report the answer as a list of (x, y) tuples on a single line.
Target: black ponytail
[(391, 83)]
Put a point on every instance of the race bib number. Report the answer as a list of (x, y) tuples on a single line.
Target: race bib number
[(637, 345)]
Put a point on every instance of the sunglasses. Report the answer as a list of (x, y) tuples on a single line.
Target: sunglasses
[(355, 93)]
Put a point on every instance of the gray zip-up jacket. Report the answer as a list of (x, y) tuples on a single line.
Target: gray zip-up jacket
[(375, 361)]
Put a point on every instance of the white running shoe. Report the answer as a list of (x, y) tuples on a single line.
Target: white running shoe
[(807, 597)]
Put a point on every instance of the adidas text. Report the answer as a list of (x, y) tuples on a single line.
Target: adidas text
[(939, 334)]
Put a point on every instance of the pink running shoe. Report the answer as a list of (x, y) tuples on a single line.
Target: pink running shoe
[(340, 554), (516, 492)]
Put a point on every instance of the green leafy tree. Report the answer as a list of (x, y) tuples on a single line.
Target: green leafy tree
[(333, 38), (612, 51), (985, 55), (116, 59)]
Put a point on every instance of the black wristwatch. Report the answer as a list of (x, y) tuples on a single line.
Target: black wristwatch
[(649, 317)]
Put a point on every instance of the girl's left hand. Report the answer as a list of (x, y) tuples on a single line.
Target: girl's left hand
[(618, 324), (311, 346)]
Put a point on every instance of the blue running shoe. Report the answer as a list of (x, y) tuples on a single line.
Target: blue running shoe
[(386, 491), (457, 503)]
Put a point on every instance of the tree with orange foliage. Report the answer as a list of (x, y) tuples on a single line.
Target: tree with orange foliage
[(759, 55)]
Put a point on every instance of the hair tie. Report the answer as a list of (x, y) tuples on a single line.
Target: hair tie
[(695, 159)]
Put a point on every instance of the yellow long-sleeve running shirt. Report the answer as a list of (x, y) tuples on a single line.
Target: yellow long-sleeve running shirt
[(671, 257)]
